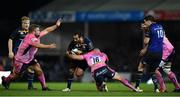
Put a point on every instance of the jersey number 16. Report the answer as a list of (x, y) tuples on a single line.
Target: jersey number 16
[(95, 60)]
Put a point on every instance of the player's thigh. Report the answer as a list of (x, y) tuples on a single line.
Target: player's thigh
[(117, 76), (152, 60), (18, 67), (35, 66), (99, 80), (110, 73), (99, 75)]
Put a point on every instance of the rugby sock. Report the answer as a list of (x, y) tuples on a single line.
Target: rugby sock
[(126, 83), (154, 79), (161, 81), (30, 79), (69, 82), (42, 80), (9, 78), (138, 78), (173, 78)]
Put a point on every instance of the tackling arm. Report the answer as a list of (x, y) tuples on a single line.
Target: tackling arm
[(39, 45), (75, 57)]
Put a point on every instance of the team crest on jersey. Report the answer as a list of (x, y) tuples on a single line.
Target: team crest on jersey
[(34, 39)]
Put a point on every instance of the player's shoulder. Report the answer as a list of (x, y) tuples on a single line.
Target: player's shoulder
[(29, 36), (155, 25), (87, 39), (72, 44), (16, 30)]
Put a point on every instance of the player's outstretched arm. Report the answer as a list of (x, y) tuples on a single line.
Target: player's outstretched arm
[(52, 28), (75, 57), (40, 45)]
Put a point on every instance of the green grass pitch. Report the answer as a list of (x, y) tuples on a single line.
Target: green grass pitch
[(83, 89)]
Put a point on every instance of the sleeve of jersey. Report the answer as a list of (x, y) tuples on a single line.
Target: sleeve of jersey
[(83, 56), (106, 56), (13, 35), (89, 43), (33, 40)]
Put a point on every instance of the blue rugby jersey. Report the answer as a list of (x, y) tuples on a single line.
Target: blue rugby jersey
[(17, 36), (156, 34)]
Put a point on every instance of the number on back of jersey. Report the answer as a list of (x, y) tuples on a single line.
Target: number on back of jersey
[(95, 59)]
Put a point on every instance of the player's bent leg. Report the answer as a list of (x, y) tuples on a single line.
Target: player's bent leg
[(171, 75), (139, 75), (125, 82), (7, 80), (102, 87), (155, 81), (161, 81), (15, 74), (41, 77), (69, 81), (30, 78)]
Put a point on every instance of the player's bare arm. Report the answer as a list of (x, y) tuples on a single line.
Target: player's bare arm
[(75, 57), (40, 45), (143, 51), (10, 46), (52, 28)]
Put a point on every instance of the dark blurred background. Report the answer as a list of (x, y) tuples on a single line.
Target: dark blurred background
[(113, 26)]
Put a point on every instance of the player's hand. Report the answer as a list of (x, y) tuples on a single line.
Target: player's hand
[(76, 51), (142, 52), (58, 23), (11, 55), (52, 45), (143, 26)]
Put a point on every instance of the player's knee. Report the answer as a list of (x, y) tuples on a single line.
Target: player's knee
[(38, 72), (30, 70), (167, 67), (167, 70), (71, 73), (141, 67), (99, 87), (79, 72)]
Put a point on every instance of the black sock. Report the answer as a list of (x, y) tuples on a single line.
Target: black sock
[(138, 78), (30, 79), (69, 82), (154, 79)]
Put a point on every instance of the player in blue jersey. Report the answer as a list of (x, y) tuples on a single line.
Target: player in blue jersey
[(79, 45), (152, 51), (15, 40)]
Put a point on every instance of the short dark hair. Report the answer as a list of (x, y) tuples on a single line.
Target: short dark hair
[(79, 34), (150, 18), (32, 27)]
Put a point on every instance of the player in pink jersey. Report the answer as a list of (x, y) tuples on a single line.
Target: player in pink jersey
[(97, 62), (168, 54), (25, 55)]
